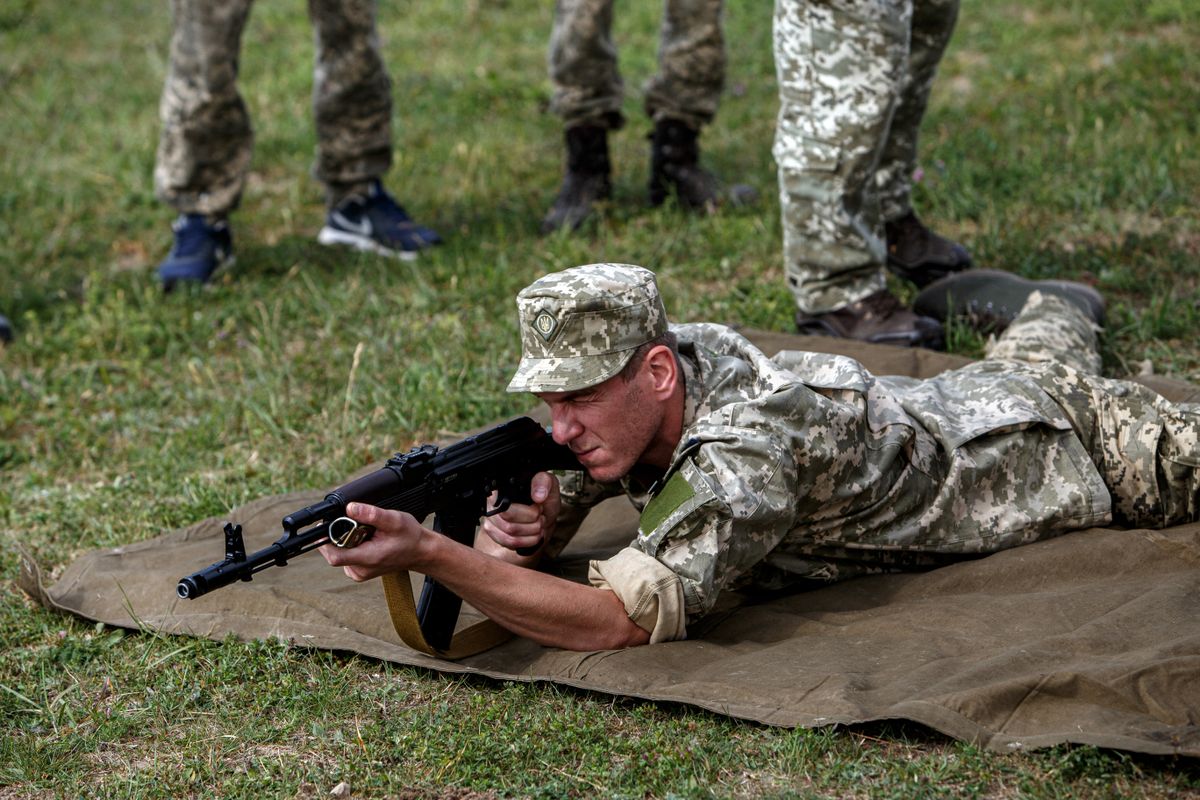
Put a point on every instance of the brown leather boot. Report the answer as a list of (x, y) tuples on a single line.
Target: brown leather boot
[(587, 181), (918, 254), (880, 318)]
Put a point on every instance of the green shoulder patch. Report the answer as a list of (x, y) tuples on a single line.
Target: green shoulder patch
[(677, 492)]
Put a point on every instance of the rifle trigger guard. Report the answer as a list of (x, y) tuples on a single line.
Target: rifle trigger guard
[(345, 532)]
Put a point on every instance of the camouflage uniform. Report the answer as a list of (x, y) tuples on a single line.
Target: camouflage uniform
[(806, 467), (204, 150), (854, 81), (583, 64)]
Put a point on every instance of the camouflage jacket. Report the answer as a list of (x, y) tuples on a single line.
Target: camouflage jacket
[(807, 467)]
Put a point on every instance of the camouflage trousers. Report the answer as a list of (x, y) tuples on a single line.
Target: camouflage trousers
[(583, 64), (206, 141), (854, 82), (1146, 448)]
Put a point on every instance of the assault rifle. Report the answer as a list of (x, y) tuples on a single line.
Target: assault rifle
[(453, 483)]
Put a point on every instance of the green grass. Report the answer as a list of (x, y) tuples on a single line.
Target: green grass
[(1060, 142)]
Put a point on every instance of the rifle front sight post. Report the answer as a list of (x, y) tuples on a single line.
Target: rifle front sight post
[(235, 548)]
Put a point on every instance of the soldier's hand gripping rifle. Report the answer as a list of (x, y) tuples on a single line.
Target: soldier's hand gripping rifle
[(453, 483)]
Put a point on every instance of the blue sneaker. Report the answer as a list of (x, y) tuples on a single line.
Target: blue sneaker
[(201, 248), (6, 331), (378, 224)]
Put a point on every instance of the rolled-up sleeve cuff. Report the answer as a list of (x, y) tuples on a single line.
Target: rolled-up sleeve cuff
[(652, 594)]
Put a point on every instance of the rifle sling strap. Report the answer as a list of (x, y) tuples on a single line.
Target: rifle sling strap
[(474, 639)]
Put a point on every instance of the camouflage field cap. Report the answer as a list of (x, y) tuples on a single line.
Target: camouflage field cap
[(579, 327)]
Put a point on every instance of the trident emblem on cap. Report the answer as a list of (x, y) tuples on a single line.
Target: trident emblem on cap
[(545, 324)]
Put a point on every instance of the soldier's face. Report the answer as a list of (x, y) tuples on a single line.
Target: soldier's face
[(608, 426)]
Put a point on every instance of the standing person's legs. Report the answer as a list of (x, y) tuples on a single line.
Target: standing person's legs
[(932, 26), (840, 68), (915, 252), (691, 64), (206, 141), (352, 109), (681, 98), (352, 98), (582, 60)]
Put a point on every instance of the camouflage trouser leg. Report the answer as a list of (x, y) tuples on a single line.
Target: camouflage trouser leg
[(1146, 448), (206, 141), (841, 65), (691, 63), (352, 98), (1050, 330), (1148, 451), (932, 25), (587, 82), (583, 64)]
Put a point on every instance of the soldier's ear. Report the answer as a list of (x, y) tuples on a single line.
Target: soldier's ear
[(663, 368)]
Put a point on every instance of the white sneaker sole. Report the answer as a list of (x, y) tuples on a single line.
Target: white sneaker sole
[(333, 237)]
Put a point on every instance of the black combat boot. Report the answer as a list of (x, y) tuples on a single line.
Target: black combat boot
[(989, 300), (675, 166), (879, 318), (588, 178), (918, 254)]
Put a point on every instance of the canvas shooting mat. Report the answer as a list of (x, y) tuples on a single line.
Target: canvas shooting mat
[(1091, 638)]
